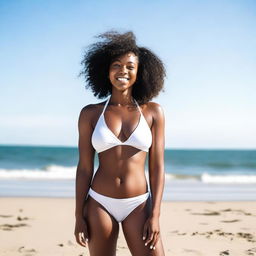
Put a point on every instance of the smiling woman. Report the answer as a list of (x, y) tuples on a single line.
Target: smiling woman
[(121, 130)]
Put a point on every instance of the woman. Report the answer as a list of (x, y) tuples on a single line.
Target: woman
[(121, 130)]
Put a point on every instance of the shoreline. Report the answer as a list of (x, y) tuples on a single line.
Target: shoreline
[(34, 226), (163, 201), (174, 190)]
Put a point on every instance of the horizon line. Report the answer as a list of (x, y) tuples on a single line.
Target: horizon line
[(167, 148)]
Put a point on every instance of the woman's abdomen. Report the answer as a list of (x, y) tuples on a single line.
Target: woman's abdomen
[(121, 177)]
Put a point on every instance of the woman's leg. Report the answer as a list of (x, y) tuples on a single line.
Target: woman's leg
[(102, 229), (133, 232)]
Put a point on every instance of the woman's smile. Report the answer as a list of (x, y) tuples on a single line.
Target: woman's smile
[(123, 79)]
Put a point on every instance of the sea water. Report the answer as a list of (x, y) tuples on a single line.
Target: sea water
[(190, 175)]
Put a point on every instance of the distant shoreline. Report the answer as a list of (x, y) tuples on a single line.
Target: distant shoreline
[(167, 148)]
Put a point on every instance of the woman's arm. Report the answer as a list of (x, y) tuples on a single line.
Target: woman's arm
[(156, 160), (84, 171), (156, 173)]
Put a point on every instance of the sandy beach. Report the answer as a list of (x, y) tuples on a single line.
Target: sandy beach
[(44, 226)]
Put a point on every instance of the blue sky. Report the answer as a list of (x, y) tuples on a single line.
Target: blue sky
[(208, 48)]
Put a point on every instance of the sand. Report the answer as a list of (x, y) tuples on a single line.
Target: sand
[(44, 226)]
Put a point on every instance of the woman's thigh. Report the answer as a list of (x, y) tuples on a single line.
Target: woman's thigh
[(133, 232), (102, 229)]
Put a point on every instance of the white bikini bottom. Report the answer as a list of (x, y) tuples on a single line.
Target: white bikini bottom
[(119, 208)]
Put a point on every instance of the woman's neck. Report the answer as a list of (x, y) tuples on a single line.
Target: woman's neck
[(121, 98)]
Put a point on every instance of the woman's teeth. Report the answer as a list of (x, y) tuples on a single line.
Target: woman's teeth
[(122, 79)]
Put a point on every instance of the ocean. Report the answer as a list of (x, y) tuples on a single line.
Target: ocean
[(191, 175)]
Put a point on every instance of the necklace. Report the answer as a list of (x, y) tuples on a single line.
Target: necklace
[(132, 103)]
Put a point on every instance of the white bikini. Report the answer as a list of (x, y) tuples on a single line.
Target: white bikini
[(103, 139)]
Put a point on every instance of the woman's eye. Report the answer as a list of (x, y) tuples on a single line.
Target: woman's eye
[(131, 68), (116, 65)]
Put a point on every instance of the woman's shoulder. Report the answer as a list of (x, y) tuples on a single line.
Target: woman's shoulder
[(153, 112), (92, 110), (153, 108)]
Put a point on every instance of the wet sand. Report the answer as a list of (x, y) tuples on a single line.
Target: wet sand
[(45, 226)]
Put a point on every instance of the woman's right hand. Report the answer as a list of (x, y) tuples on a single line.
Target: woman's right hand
[(81, 232)]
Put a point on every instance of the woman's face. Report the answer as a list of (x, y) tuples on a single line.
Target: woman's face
[(123, 71)]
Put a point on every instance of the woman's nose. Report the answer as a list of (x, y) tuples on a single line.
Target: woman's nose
[(123, 69)]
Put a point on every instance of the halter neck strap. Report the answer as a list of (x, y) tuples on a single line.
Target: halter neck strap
[(106, 104), (137, 106)]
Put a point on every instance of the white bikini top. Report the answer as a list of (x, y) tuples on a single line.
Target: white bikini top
[(103, 138)]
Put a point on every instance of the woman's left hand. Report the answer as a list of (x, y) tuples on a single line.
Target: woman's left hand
[(151, 232)]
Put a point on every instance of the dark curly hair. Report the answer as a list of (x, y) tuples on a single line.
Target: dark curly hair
[(99, 56)]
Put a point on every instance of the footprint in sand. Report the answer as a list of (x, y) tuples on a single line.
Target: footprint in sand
[(181, 234), (245, 213), (9, 227), (207, 213), (21, 219), (28, 252), (248, 236), (251, 252), (5, 216), (227, 210), (224, 253), (218, 232), (237, 211), (230, 221)]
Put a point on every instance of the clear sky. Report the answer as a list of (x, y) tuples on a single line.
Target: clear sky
[(208, 48)]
